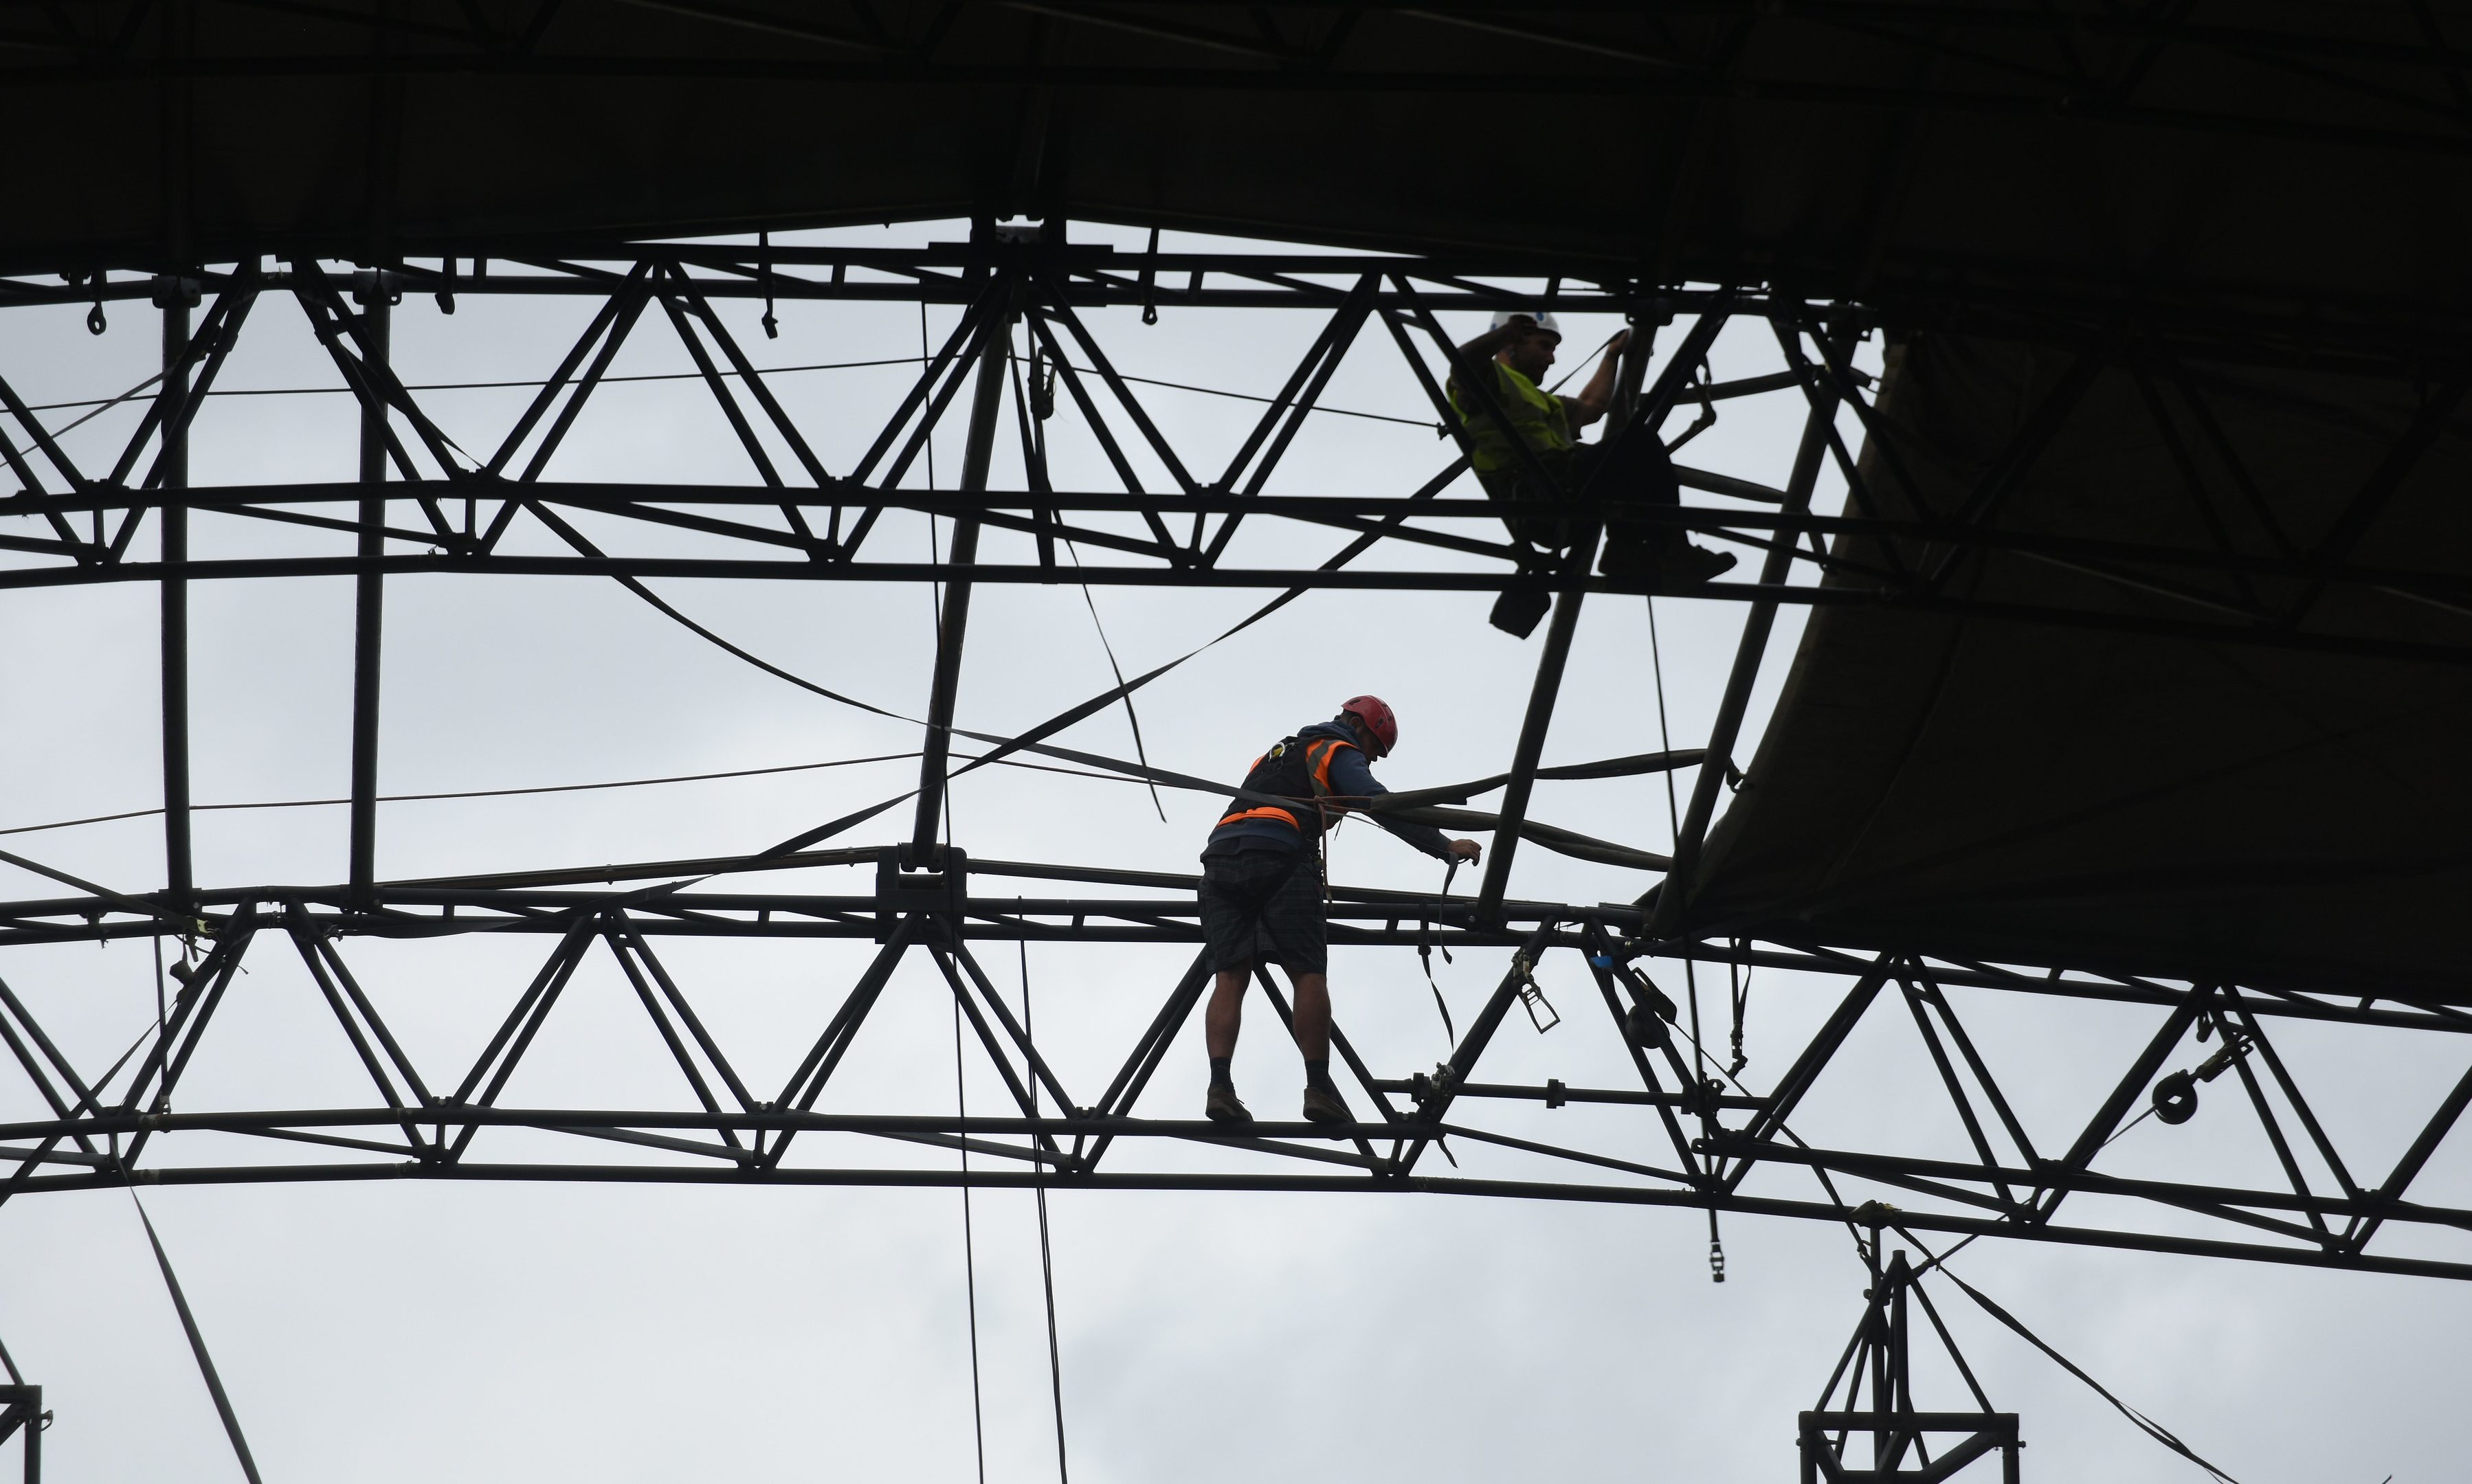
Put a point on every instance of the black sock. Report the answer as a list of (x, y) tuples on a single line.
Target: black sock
[(1219, 1071), (1318, 1073)]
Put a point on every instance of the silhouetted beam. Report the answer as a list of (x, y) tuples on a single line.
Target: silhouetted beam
[(1667, 918), (1566, 619), (177, 876), (369, 615), (987, 398)]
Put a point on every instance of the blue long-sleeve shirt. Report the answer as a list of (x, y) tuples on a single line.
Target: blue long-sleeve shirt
[(1351, 776)]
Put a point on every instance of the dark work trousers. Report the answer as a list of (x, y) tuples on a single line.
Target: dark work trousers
[(1263, 901), (1634, 472)]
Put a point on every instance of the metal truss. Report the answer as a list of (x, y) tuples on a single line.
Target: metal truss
[(428, 502), (1901, 1435)]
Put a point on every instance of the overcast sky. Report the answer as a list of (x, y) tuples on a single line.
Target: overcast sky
[(404, 1330)]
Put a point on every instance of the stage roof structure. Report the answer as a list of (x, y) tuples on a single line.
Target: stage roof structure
[(2190, 256), (2293, 171), (2137, 658)]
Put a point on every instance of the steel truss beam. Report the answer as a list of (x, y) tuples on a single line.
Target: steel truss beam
[(425, 1122), (815, 539), (424, 504)]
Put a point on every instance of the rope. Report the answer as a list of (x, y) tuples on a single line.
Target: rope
[(1691, 980), (1664, 734), (494, 793), (2147, 1425), (101, 405), (1046, 1258), (969, 1251), (1134, 717), (931, 436), (2126, 1127)]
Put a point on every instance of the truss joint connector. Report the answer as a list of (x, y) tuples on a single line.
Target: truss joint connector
[(169, 290)]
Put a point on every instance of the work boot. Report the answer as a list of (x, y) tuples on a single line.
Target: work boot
[(1517, 613), (1222, 1106), (1322, 1105), (1684, 565)]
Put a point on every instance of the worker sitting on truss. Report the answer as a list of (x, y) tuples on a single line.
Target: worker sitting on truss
[(1623, 471), (1262, 887)]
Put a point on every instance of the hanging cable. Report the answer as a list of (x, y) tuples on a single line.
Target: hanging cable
[(1131, 716), (1674, 818), (935, 558), (101, 405), (561, 787), (1046, 1256), (2145, 1423), (969, 1250), (1032, 406), (1706, 1090)]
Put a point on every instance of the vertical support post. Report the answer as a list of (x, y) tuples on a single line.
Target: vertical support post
[(1538, 721), (370, 606), (1630, 376), (1667, 918), (987, 399), (179, 878), (1641, 422)]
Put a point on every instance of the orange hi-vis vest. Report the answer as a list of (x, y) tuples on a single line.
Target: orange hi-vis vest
[(1293, 769)]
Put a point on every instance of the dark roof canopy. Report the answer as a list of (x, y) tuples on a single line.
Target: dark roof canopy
[(2120, 795), (2209, 260), (2224, 164)]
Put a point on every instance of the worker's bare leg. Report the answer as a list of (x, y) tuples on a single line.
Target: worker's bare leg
[(1313, 1016), (1225, 1018), (1219, 1026), (1226, 1015), (1322, 1102)]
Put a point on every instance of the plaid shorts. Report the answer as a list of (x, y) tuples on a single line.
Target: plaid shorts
[(1262, 905)]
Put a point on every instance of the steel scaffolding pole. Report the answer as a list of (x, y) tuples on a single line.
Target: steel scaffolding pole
[(177, 876), (986, 400), (369, 599)]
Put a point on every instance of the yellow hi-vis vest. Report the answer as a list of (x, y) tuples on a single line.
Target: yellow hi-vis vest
[(1537, 416)]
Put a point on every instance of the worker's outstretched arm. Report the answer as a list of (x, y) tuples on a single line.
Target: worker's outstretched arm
[(1599, 394), (1352, 777)]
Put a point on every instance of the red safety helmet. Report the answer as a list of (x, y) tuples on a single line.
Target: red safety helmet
[(1376, 715)]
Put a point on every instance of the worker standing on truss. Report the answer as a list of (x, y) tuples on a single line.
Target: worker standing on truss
[(1518, 350), (1262, 887)]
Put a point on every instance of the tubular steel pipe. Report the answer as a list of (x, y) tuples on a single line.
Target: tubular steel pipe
[(1668, 916), (369, 606), (987, 399), (1439, 1185), (1644, 423), (178, 879)]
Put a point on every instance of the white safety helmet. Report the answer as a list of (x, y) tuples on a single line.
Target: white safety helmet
[(1545, 320)]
